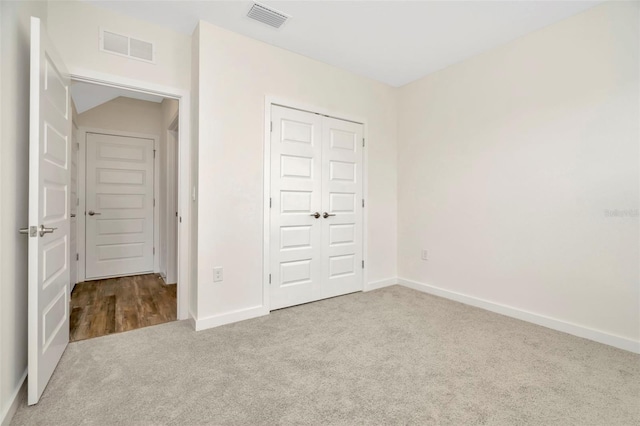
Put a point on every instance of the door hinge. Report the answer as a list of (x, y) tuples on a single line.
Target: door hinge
[(363, 202), (271, 127), (154, 202), (154, 250), (270, 202), (78, 145), (77, 256), (154, 153), (363, 264), (269, 278), (362, 141)]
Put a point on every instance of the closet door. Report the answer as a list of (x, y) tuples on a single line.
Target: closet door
[(296, 232), (342, 187)]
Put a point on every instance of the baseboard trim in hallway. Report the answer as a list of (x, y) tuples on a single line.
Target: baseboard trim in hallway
[(545, 321)]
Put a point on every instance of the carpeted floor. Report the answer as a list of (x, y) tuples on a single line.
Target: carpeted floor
[(391, 356)]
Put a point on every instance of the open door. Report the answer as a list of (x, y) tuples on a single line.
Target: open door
[(49, 222)]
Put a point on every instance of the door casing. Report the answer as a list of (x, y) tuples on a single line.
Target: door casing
[(186, 182), (266, 258)]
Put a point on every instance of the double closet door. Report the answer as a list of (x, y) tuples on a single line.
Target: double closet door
[(316, 215)]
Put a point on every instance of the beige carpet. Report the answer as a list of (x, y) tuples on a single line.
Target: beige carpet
[(391, 356)]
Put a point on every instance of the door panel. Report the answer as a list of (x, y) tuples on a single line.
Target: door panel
[(49, 221), (120, 173), (342, 197), (295, 194), (316, 166)]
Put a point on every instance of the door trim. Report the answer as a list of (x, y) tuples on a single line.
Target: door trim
[(266, 239), (186, 181), (81, 221)]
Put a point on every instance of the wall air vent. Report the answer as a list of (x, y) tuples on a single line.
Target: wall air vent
[(126, 46), (267, 15)]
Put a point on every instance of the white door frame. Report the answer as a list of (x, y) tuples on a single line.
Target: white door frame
[(266, 257), (82, 195), (185, 184), (172, 141)]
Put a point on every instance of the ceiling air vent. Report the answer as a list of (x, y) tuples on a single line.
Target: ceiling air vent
[(126, 46), (267, 15)]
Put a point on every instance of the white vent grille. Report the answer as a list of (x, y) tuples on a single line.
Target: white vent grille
[(267, 15), (127, 46)]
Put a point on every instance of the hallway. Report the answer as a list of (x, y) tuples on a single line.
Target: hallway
[(115, 305)]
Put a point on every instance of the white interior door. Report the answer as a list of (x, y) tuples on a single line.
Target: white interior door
[(316, 167), (296, 234), (341, 207), (119, 203), (49, 224)]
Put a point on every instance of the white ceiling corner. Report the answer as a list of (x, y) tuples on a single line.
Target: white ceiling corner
[(394, 42)]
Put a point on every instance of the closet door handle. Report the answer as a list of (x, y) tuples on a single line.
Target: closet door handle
[(326, 215), (316, 215)]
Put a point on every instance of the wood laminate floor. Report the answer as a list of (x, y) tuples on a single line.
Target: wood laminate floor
[(114, 305)]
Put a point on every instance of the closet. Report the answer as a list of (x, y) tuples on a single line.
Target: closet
[(316, 214)]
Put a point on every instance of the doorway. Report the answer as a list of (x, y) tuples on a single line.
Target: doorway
[(126, 215), (54, 201)]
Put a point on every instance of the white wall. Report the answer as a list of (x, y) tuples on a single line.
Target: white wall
[(125, 115), (240, 72), (74, 27), (14, 150), (509, 162)]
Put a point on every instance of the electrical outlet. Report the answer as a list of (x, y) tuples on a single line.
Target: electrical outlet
[(217, 275), (424, 255)]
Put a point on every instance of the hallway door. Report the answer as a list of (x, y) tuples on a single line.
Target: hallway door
[(120, 206)]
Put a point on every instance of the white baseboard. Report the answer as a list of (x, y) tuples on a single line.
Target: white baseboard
[(229, 317), (552, 323), (16, 399), (380, 284)]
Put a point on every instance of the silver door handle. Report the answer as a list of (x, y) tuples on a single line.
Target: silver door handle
[(24, 230), (92, 213), (316, 215), (44, 230), (326, 215)]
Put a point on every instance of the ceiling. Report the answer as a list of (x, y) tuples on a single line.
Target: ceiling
[(394, 42), (87, 96)]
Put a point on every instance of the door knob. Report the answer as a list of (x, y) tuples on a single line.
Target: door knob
[(326, 215), (44, 230), (92, 213), (316, 215)]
